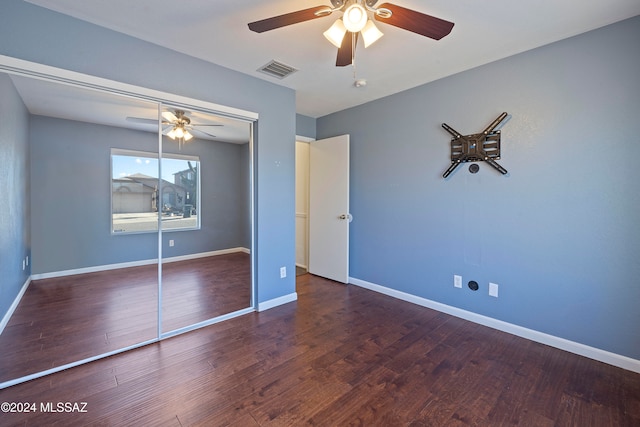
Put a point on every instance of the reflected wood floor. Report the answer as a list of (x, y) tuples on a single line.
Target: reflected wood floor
[(66, 319), (340, 355)]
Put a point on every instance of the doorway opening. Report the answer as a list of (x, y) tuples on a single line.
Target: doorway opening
[(302, 206)]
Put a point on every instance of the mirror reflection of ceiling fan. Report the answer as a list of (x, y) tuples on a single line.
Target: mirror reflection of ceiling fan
[(177, 126), (355, 20)]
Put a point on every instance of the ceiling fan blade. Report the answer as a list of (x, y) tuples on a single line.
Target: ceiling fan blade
[(204, 124), (169, 116), (345, 53), (289, 19), (198, 131), (419, 23)]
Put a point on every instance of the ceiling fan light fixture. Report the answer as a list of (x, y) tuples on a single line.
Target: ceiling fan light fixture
[(355, 17), (172, 133), (336, 33), (187, 136), (370, 34), (179, 132)]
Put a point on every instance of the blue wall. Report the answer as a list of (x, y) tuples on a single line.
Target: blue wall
[(70, 164), (305, 126), (15, 230), (559, 233), (39, 35)]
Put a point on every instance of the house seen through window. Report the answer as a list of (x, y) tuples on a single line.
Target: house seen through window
[(138, 195)]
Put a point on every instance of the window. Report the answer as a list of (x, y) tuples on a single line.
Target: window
[(137, 195)]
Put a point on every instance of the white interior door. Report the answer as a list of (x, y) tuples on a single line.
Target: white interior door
[(329, 216)]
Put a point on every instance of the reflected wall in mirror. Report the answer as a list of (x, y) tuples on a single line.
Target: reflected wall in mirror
[(89, 293), (206, 272)]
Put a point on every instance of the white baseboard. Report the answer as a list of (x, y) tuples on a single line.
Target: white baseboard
[(107, 267), (14, 305), (614, 359), (266, 305), (206, 254)]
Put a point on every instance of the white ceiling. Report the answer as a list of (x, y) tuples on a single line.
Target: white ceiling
[(216, 31), (50, 99)]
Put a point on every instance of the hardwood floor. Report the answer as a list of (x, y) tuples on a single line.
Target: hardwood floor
[(203, 288), (66, 319), (340, 355)]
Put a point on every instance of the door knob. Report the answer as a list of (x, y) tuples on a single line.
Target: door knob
[(346, 216)]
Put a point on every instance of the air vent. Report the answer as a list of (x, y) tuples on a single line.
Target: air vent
[(277, 69)]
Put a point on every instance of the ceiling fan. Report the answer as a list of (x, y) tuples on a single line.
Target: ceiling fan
[(355, 21), (177, 126)]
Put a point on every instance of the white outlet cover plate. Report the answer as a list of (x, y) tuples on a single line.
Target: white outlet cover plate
[(493, 290), (457, 281)]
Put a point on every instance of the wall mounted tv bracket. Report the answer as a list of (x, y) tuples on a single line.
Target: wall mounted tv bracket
[(484, 146)]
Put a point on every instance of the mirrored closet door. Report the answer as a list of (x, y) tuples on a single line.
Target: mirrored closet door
[(139, 223), (94, 273), (206, 217)]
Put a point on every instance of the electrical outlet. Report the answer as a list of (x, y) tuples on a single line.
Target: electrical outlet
[(171, 242), (283, 272), (493, 290), (457, 281)]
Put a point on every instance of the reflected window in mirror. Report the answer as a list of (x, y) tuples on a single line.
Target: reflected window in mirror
[(138, 195)]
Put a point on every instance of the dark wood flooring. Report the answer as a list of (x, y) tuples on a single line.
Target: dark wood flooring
[(66, 319), (340, 355)]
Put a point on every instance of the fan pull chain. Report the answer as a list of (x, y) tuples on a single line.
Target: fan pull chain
[(353, 54), (356, 81)]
